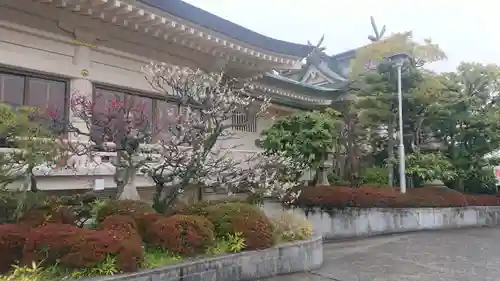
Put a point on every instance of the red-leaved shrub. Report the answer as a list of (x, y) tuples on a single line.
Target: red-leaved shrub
[(12, 240), (182, 234), (483, 200), (49, 214), (74, 247), (119, 222), (124, 228), (331, 197), (123, 207), (243, 218), (440, 196), (145, 222)]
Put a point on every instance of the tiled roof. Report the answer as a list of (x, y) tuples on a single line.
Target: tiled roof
[(210, 21), (298, 85)]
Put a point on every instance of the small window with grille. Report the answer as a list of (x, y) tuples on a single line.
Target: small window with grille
[(244, 122)]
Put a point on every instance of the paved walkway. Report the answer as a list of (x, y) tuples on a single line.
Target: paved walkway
[(451, 255)]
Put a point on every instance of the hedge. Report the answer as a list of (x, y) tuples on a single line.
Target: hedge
[(182, 234), (331, 197), (236, 216), (74, 247)]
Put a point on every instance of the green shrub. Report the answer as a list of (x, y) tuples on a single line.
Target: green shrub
[(232, 243), (27, 273), (335, 179), (290, 226), (243, 218), (8, 206), (82, 205), (106, 267), (199, 208), (123, 207), (157, 257), (376, 176), (482, 181)]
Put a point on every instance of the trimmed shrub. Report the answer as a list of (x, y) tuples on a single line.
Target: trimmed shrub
[(483, 200), (199, 208), (12, 240), (182, 234), (440, 196), (243, 218), (75, 247), (49, 214), (313, 196), (119, 222), (124, 228), (123, 207), (333, 197), (290, 226), (145, 222), (175, 207)]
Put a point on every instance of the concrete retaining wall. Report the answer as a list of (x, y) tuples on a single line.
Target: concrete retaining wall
[(355, 222), (283, 259)]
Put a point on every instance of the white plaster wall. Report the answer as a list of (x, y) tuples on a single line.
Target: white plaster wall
[(354, 222), (36, 42)]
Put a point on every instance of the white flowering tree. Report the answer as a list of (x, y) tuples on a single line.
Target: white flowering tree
[(194, 143)]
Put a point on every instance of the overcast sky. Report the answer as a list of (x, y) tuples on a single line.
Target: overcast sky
[(466, 30)]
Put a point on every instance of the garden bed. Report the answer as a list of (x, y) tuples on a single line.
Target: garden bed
[(251, 265), (127, 239)]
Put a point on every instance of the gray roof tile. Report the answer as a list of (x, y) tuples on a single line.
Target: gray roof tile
[(210, 21)]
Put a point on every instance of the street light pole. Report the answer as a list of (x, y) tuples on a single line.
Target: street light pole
[(398, 60), (402, 168)]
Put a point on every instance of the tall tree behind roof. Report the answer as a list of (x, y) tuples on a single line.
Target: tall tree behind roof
[(367, 57)]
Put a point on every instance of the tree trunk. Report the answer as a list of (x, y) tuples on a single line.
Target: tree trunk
[(322, 172), (337, 160), (129, 190), (390, 151), (350, 152), (120, 174), (31, 183)]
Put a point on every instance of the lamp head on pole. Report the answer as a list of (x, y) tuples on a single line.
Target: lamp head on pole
[(399, 59)]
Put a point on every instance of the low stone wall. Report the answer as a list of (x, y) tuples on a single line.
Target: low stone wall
[(355, 222), (283, 259)]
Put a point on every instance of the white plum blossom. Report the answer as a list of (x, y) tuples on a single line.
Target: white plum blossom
[(189, 154)]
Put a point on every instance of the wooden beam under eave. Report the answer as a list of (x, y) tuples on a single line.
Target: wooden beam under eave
[(276, 111)]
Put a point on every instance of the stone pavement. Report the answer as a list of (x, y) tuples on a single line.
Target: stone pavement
[(451, 255)]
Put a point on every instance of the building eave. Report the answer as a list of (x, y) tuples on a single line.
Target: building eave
[(215, 23), (144, 18), (291, 95)]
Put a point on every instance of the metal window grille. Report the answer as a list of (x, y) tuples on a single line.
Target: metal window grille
[(244, 122)]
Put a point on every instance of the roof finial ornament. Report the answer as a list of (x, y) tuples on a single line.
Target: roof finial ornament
[(377, 35), (317, 50)]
